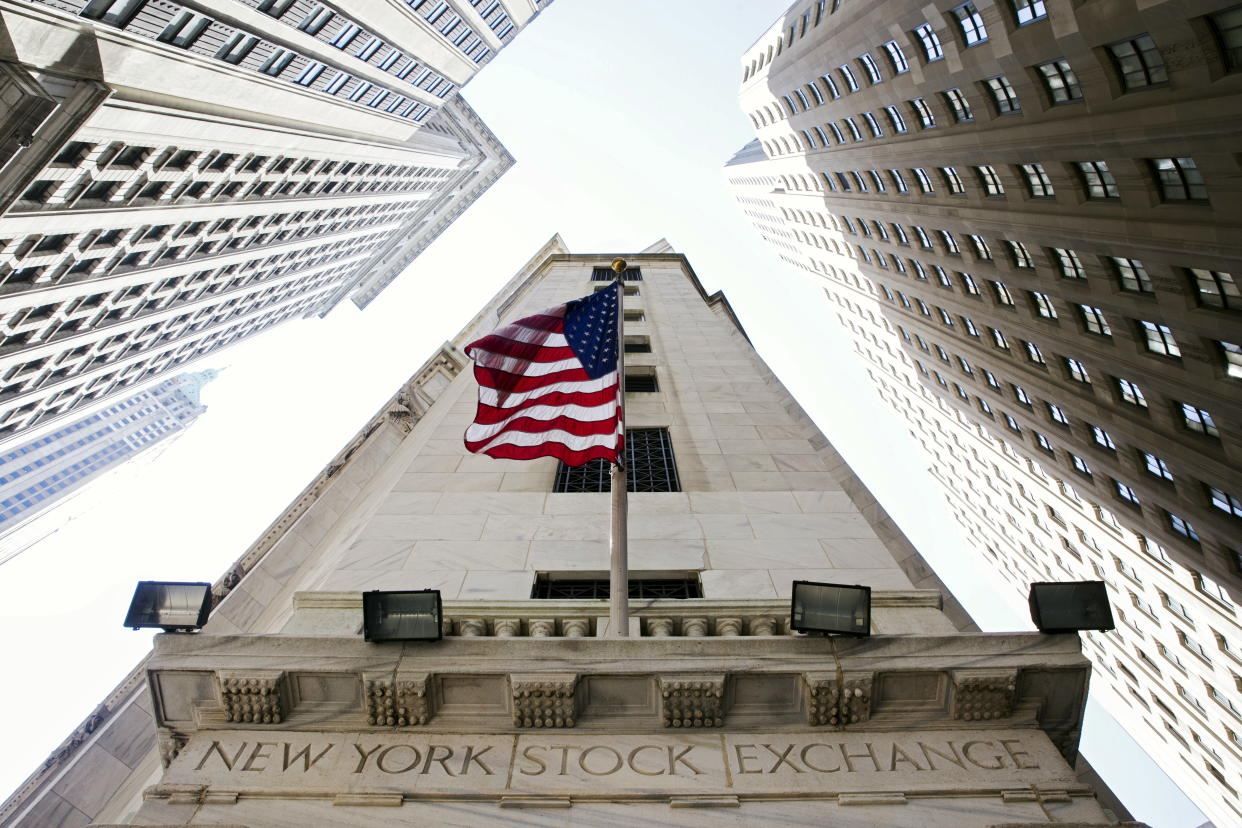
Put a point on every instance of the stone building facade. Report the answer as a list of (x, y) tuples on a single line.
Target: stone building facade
[(1024, 214), (711, 712), (176, 177)]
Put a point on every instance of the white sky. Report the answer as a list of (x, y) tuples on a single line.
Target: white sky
[(621, 116)]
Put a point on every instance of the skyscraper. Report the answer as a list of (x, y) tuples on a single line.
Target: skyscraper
[(174, 178), (1036, 257), (279, 713), (40, 475)]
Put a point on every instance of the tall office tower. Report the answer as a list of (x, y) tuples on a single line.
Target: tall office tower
[(1027, 214), (39, 476), (176, 177), (279, 713)]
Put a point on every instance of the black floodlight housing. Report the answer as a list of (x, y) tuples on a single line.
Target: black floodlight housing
[(834, 609), (412, 615), (1071, 606), (173, 606)]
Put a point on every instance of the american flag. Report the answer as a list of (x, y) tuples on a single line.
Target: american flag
[(548, 385)]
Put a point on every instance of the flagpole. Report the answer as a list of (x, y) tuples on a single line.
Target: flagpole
[(619, 568)]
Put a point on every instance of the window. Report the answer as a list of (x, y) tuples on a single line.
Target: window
[(277, 62), (831, 85), (1003, 95), (606, 274), (184, 29), (873, 125), (1182, 527), (1103, 438), (637, 345), (636, 382), (950, 243), (1126, 493), (998, 339), (900, 233), (930, 42), (1093, 320), (926, 119), (952, 180), (1021, 257), (1132, 275), (1197, 420), (1130, 393), (1033, 353), (1080, 465), (1156, 465), (853, 128), (848, 75), (990, 180), (117, 13), (1077, 371), (925, 185), (1215, 288), (1138, 62), (894, 117), (924, 239), (1057, 414), (1028, 11), (1060, 81), (1037, 182), (1003, 296), (1232, 357), (896, 57), (1179, 179), (1043, 443), (971, 23), (1012, 424), (649, 461), (1098, 180), (1159, 339), (1227, 26), (871, 68), (899, 182), (1068, 263), (585, 588), (968, 284), (956, 101), (1224, 501), (1212, 589)]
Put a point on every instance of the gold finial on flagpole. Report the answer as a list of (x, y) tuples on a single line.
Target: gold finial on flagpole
[(618, 264)]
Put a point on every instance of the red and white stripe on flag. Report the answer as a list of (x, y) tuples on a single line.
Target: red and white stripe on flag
[(543, 394)]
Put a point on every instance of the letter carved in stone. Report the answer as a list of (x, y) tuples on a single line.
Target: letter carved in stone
[(693, 700), (403, 700), (984, 694), (825, 704), (544, 699), (256, 697)]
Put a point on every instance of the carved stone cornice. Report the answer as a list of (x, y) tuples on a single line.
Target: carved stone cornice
[(980, 695), (692, 700), (827, 703), (253, 697), (397, 700)]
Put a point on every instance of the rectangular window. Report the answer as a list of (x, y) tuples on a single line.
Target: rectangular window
[(1156, 466), (991, 182), (956, 101), (1197, 420), (574, 587), (641, 382), (1020, 256), (930, 42), (1130, 393), (896, 57), (1138, 62), (926, 119), (1158, 339), (1215, 288), (873, 125), (606, 274), (831, 86), (1224, 501), (1033, 353), (1043, 304), (1003, 296), (1060, 81), (847, 75), (1126, 493), (952, 180), (1094, 321), (1103, 438), (650, 466), (1231, 355), (971, 24), (1068, 263), (1179, 179), (894, 117), (871, 68), (925, 183), (1098, 179), (1182, 527), (1037, 182), (1028, 11), (1004, 97), (1227, 26), (1132, 275)]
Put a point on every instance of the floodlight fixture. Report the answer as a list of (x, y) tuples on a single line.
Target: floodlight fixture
[(409, 615), (1070, 606), (831, 609), (173, 606)]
